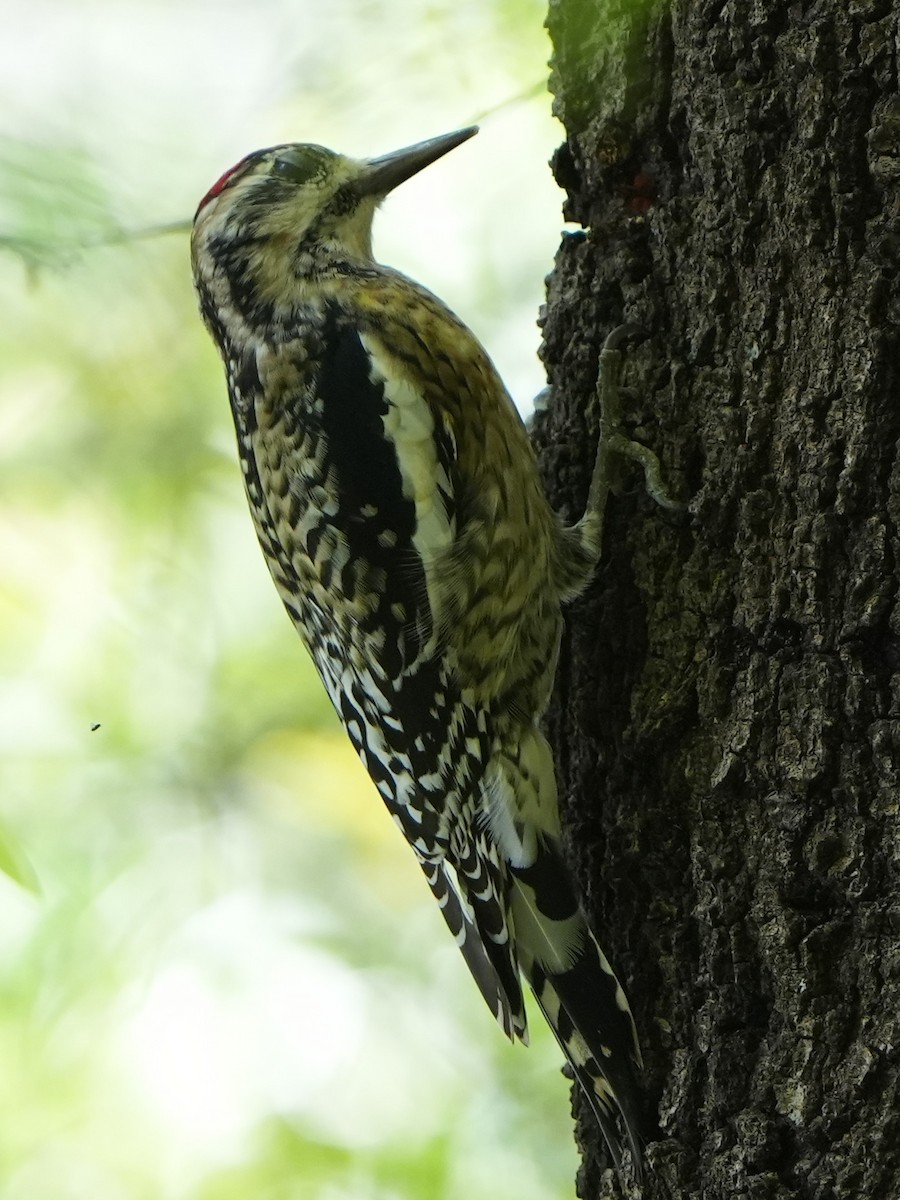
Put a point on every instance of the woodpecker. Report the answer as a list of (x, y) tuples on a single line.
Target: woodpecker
[(397, 501)]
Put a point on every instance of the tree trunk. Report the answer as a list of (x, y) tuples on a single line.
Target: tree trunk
[(726, 713)]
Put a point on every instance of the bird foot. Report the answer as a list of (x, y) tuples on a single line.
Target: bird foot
[(614, 442)]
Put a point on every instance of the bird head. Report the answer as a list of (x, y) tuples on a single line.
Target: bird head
[(299, 210)]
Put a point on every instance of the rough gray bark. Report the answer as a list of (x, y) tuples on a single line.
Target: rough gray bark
[(726, 716)]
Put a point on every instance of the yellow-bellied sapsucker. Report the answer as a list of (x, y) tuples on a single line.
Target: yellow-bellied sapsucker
[(397, 501)]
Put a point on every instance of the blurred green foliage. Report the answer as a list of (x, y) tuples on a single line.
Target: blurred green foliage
[(223, 977)]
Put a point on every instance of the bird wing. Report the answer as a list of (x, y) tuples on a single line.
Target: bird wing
[(461, 923)]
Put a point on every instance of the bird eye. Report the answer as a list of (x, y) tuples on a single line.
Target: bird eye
[(298, 165)]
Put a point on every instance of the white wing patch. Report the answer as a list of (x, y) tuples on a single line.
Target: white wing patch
[(409, 423)]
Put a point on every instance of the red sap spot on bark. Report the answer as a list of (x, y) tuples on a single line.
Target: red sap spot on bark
[(641, 193)]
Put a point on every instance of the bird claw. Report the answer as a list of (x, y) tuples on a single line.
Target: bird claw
[(622, 333), (613, 441)]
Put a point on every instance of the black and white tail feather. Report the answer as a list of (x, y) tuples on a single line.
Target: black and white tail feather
[(551, 943)]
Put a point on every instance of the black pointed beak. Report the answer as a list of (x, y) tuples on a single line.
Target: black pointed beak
[(383, 174)]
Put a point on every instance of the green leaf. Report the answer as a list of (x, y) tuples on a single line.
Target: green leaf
[(15, 863)]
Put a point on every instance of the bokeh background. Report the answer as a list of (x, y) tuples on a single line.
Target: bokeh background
[(221, 975)]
